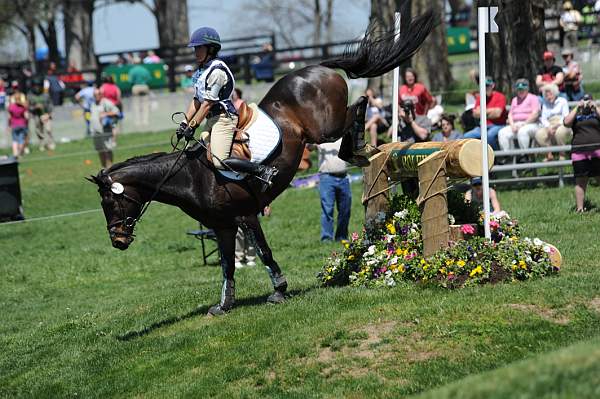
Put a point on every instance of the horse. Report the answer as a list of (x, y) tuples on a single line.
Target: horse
[(309, 106)]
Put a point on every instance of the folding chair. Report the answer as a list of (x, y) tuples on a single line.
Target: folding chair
[(205, 234)]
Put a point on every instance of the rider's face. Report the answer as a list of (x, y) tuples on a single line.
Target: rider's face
[(201, 52)]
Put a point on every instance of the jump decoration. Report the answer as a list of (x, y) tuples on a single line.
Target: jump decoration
[(390, 250)]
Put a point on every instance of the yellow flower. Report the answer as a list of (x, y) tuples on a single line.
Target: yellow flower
[(461, 263), (522, 264), (477, 270), (351, 257), (514, 267), (443, 270), (346, 244), (401, 268), (425, 267), (449, 262), (393, 267), (398, 251), (391, 228), (422, 261)]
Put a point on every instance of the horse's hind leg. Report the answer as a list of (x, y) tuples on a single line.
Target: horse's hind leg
[(353, 148), (252, 227), (226, 242)]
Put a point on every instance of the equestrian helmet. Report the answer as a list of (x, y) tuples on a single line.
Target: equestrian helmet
[(205, 36)]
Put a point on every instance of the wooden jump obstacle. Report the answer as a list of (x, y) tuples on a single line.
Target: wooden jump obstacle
[(432, 163)]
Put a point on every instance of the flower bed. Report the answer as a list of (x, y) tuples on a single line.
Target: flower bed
[(389, 250)]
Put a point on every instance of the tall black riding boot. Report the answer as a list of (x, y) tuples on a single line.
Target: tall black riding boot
[(263, 172)]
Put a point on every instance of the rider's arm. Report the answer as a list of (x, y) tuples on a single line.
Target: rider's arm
[(197, 111)]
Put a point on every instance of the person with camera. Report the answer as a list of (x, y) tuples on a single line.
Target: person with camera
[(40, 107), (584, 119)]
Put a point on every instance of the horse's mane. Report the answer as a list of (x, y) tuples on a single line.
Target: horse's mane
[(152, 161)]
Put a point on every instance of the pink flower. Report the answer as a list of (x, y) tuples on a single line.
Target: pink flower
[(354, 236), (467, 229), (494, 224)]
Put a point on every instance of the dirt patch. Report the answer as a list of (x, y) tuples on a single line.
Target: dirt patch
[(551, 315), (595, 304)]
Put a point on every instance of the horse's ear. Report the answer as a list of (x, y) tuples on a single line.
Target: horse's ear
[(94, 179)]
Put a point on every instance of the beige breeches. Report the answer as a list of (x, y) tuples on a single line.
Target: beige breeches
[(220, 131), (561, 137)]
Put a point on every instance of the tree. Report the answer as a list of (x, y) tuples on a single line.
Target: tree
[(26, 14), (79, 33), (47, 27)]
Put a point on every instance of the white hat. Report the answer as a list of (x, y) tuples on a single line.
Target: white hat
[(188, 68)]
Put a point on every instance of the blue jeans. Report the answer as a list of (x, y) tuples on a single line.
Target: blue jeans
[(334, 190), (492, 134)]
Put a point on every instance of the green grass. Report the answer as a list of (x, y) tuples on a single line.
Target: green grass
[(82, 319)]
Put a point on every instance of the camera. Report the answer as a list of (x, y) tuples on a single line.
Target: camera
[(588, 105), (409, 108)]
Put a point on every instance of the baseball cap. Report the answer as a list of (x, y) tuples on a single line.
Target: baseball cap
[(548, 55), (522, 84), (188, 68), (489, 81), (476, 181), (567, 51)]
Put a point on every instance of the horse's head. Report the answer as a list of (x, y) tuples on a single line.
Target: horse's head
[(121, 209)]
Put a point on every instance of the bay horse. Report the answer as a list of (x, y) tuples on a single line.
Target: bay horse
[(309, 106)]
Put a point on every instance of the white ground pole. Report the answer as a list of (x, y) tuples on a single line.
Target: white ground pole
[(485, 16), (395, 85)]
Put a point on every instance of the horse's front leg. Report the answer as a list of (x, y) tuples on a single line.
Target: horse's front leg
[(226, 242), (252, 227)]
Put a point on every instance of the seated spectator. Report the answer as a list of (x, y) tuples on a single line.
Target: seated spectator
[(263, 66), (584, 119), (151, 58), (554, 110), (448, 133), (415, 92), (573, 88), (569, 21), (375, 118), (187, 81), (523, 118), (496, 114), (475, 196), (549, 73)]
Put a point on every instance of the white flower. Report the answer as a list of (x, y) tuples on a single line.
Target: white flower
[(371, 250), (527, 240), (537, 242), (401, 214), (547, 249), (451, 219), (394, 260)]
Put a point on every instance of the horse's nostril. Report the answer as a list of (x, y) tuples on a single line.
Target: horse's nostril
[(120, 244)]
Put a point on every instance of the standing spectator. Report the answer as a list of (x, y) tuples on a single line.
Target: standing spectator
[(496, 114), (54, 85), (102, 114), (584, 119), (111, 91), (475, 196), (245, 252), (85, 98), (73, 78), (375, 118), (549, 73), (334, 188), (448, 133), (40, 109), (573, 88), (570, 19), (187, 81), (553, 131), (2, 94), (523, 118), (415, 92), (17, 121), (236, 98), (140, 78)]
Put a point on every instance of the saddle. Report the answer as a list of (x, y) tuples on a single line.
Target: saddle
[(239, 147)]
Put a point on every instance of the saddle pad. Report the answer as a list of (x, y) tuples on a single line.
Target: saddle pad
[(264, 137)]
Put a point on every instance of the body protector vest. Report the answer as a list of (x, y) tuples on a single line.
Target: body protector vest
[(200, 80)]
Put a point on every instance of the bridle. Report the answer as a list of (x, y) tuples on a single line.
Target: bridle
[(126, 221)]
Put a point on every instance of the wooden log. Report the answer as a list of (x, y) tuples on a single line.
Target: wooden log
[(456, 233), (376, 197), (463, 157), (434, 205)]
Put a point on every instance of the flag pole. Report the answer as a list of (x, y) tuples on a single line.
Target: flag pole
[(396, 84), (483, 19)]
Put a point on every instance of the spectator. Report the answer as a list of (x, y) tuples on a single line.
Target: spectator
[(416, 92), (549, 73), (85, 98), (140, 78), (588, 17), (584, 119), (111, 91), (448, 133), (121, 60), (375, 118), (572, 88), (523, 118), (18, 120), (54, 86), (570, 19), (40, 108), (554, 110), (245, 252), (263, 65), (334, 188), (496, 114), (151, 58), (2, 94), (102, 114), (73, 78), (187, 82), (475, 196), (236, 98)]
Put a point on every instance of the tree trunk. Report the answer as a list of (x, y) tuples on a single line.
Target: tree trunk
[(171, 22), (317, 22), (516, 51), (50, 37), (431, 61), (79, 38)]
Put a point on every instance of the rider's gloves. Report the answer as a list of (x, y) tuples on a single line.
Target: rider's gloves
[(189, 133), (180, 132)]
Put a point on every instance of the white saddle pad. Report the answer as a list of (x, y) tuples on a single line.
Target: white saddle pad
[(264, 137)]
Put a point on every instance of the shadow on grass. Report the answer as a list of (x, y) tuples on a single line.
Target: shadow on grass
[(202, 310)]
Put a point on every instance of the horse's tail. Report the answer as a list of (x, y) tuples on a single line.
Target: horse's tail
[(381, 51)]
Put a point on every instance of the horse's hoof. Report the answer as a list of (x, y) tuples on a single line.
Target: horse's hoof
[(218, 310), (276, 297)]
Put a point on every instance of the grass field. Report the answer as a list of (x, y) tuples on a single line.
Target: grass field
[(80, 319)]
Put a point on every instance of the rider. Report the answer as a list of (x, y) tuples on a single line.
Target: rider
[(213, 87)]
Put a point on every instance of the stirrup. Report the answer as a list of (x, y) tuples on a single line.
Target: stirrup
[(266, 174)]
